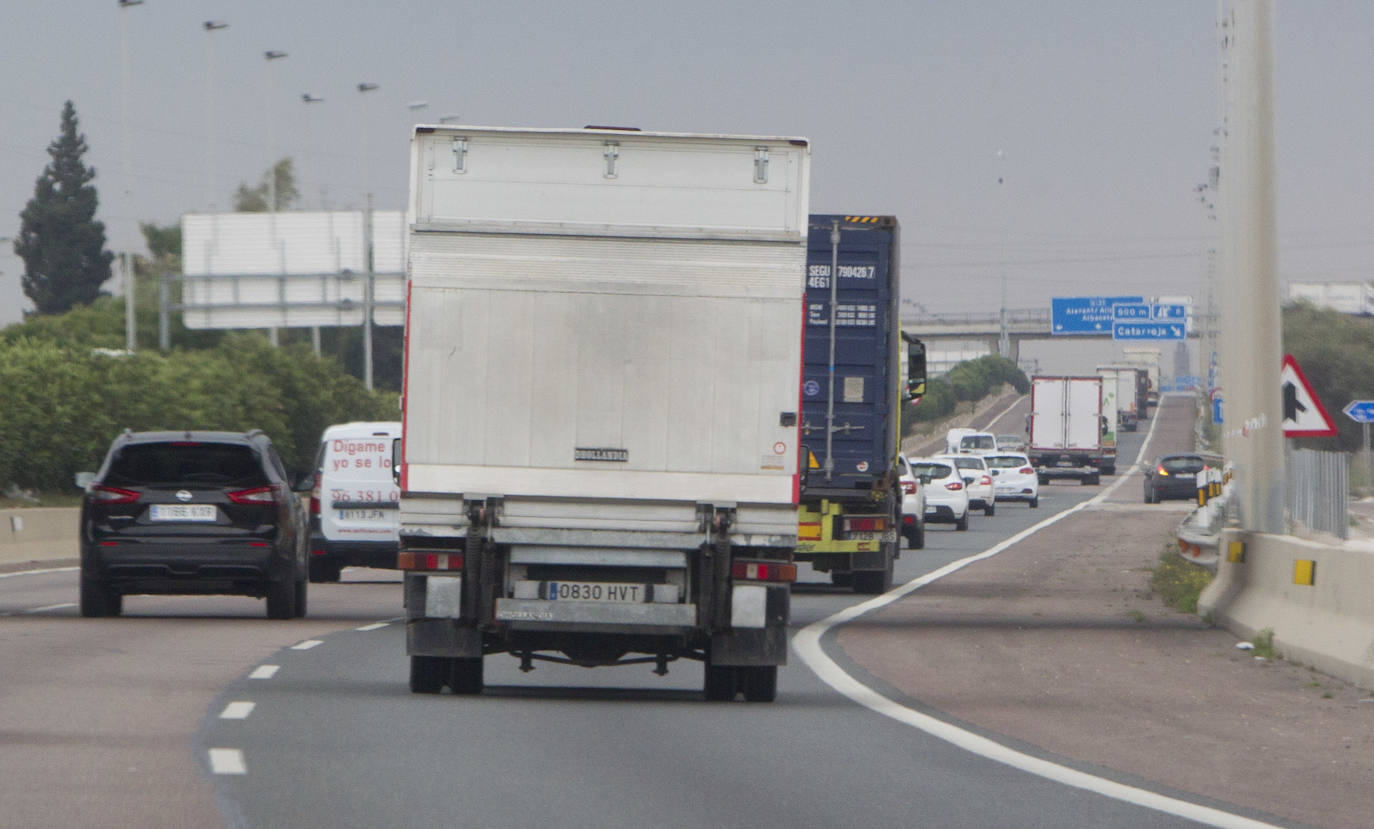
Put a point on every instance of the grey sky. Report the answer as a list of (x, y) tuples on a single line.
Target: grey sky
[(1103, 112)]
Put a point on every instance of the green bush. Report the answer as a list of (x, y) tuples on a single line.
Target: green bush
[(64, 402), (1177, 581)]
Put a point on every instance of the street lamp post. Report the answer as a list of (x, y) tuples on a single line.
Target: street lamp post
[(308, 99), (210, 26), (125, 266), (367, 251), (272, 57)]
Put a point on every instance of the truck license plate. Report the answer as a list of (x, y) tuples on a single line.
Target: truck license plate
[(360, 515), (594, 591), (183, 512)]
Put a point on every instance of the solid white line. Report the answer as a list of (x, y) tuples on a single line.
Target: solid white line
[(227, 761), (807, 644), (373, 626), (46, 608), (38, 572), (307, 645), (238, 710), (264, 672)]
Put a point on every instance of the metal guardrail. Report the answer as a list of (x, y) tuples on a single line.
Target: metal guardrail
[(1199, 535)]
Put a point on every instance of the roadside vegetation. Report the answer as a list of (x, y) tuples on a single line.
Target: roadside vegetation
[(1178, 582), (968, 382)]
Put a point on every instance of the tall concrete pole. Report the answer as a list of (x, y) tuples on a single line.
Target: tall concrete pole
[(1250, 341)]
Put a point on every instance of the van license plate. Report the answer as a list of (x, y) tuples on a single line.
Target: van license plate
[(360, 515), (594, 591), (183, 512)]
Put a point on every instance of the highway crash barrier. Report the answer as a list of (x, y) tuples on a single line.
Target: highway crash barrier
[(39, 534), (1317, 598), (1199, 534)]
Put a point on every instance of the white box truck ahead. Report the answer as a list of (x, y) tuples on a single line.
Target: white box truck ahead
[(1066, 427), (601, 405)]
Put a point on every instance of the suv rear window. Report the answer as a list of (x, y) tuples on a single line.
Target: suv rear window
[(150, 464), (1004, 461), (977, 442), (934, 470)]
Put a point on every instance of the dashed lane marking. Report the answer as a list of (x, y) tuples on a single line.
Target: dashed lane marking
[(237, 710), (47, 608), (227, 761), (373, 626), (264, 672), (307, 645)]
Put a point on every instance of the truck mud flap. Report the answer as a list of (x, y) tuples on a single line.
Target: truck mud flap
[(442, 637), (765, 645)]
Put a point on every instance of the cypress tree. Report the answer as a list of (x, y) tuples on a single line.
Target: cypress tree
[(61, 243)]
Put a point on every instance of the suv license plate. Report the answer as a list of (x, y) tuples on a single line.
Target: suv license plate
[(360, 515), (183, 512), (594, 591)]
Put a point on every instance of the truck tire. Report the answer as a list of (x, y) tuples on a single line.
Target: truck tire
[(841, 579), (300, 598), (874, 582), (465, 674), (721, 683), (760, 683), (98, 600), (1091, 480), (323, 569), (427, 674), (281, 599)]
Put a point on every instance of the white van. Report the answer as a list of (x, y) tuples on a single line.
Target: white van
[(355, 505), (960, 441)]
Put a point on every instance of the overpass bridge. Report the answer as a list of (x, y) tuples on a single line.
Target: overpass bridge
[(993, 327)]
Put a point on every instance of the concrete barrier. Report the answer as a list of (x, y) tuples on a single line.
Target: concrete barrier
[(42, 536), (1318, 598)]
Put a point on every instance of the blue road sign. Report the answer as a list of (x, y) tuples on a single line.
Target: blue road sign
[(1148, 330), (1132, 311), (1085, 314), (1169, 312), (1360, 411)]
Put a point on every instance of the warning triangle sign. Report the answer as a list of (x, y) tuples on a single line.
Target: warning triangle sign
[(1304, 416)]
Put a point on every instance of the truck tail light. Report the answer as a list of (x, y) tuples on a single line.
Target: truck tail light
[(112, 495), (763, 571), (256, 495), (409, 560), (870, 525)]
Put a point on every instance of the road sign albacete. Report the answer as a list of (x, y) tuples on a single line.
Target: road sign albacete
[(1360, 411), (1085, 314), (1304, 416)]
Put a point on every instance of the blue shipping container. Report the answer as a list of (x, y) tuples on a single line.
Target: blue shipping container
[(866, 333)]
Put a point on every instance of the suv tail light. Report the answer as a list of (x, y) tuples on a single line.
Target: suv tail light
[(1027, 470), (987, 480), (909, 487), (315, 496), (954, 486), (256, 495), (112, 495)]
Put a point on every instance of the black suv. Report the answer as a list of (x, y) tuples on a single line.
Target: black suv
[(192, 512)]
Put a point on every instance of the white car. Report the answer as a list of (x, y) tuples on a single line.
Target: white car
[(1013, 477), (946, 496), (1011, 443), (977, 480), (913, 505)]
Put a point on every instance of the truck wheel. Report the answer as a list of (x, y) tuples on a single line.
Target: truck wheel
[(300, 598), (962, 523), (841, 579), (1042, 480), (281, 599), (323, 569), (874, 582), (465, 674), (98, 600), (1090, 480), (760, 683), (721, 682), (427, 674)]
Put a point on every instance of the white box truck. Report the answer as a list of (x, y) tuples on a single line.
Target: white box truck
[(599, 461), (1066, 427)]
